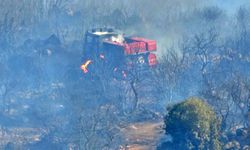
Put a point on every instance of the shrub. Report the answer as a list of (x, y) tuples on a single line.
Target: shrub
[(193, 125)]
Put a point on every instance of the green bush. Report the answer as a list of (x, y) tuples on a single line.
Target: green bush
[(193, 125)]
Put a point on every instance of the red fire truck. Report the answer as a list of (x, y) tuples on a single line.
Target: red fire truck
[(118, 50)]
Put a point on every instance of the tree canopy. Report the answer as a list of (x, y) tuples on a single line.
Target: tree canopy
[(192, 125)]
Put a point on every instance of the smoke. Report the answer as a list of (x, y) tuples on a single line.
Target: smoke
[(50, 71), (168, 21)]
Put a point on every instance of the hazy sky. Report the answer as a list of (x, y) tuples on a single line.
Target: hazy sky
[(231, 5)]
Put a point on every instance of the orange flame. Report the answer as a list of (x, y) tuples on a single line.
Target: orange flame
[(84, 66)]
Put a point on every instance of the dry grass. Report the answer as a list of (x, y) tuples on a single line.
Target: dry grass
[(143, 136)]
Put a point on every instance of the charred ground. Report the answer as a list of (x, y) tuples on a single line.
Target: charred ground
[(47, 102)]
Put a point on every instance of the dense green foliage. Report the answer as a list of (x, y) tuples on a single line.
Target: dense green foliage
[(193, 125)]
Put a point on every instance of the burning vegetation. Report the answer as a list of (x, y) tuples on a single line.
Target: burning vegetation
[(84, 66), (51, 101)]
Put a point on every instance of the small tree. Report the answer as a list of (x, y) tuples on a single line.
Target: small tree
[(193, 125)]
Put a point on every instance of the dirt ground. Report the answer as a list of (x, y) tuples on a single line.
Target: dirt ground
[(143, 136), (139, 136)]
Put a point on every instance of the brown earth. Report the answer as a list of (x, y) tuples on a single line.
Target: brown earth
[(143, 136)]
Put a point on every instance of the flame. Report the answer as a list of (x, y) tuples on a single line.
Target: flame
[(84, 66)]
